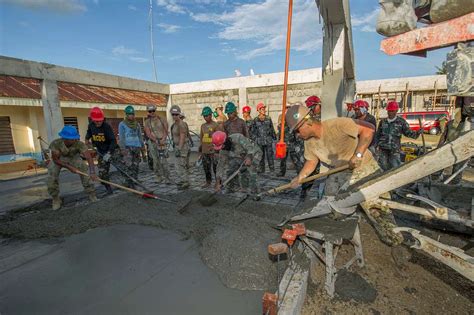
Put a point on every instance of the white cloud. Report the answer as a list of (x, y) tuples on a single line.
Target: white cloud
[(95, 51), (65, 6), (264, 24), (365, 22), (96, 2), (168, 28), (24, 24), (171, 6), (122, 50), (138, 59), (132, 7)]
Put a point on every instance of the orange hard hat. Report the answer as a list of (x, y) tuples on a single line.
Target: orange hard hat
[(218, 139), (360, 103), (96, 114), (246, 109), (312, 101), (260, 106), (392, 106)]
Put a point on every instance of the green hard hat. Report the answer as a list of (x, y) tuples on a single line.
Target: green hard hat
[(206, 111), (129, 110), (230, 108), (215, 114)]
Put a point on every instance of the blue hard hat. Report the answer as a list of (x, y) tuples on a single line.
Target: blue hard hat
[(69, 133)]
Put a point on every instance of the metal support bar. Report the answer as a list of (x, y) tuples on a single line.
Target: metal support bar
[(448, 255)]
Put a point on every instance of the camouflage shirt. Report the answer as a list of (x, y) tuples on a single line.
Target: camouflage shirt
[(237, 125), (240, 147), (68, 152), (389, 134), (263, 132)]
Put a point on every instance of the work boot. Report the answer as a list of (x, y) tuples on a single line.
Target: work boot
[(109, 190), (56, 203), (92, 197)]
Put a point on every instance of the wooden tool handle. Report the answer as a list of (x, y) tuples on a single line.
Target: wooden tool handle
[(113, 184), (310, 178), (422, 135)]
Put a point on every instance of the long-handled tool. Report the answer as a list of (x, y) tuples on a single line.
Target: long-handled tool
[(209, 199), (143, 194), (136, 181), (279, 189), (422, 135)]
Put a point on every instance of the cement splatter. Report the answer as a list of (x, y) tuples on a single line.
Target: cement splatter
[(233, 241)]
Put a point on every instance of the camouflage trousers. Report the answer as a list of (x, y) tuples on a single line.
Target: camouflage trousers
[(54, 171), (182, 170), (160, 162), (209, 162), (132, 162), (116, 160), (267, 151), (247, 178), (389, 159), (381, 219)]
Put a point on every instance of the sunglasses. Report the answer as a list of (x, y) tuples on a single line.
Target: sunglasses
[(152, 111), (174, 114)]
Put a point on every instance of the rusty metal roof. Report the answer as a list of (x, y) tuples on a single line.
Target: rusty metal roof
[(19, 87)]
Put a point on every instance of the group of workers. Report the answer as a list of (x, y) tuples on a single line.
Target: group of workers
[(230, 144)]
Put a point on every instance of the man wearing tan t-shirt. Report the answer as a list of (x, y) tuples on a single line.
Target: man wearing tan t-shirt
[(209, 161), (336, 142)]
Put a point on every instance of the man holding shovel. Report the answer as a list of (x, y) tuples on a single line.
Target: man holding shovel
[(66, 152), (131, 143), (102, 137), (334, 143), (235, 150)]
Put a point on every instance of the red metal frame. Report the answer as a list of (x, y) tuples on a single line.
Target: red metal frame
[(434, 36)]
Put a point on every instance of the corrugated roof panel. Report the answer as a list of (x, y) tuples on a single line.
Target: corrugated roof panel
[(19, 87)]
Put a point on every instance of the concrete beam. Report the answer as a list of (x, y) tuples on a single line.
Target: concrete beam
[(39, 70), (261, 80), (51, 109), (338, 58), (10, 101)]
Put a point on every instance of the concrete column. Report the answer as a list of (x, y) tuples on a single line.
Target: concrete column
[(242, 97), (333, 88), (34, 126), (51, 108), (169, 118)]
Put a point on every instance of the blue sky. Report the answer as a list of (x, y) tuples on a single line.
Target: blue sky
[(194, 39)]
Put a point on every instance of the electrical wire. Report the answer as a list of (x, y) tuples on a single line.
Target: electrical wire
[(150, 18)]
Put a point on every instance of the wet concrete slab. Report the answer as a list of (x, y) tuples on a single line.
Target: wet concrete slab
[(121, 269)]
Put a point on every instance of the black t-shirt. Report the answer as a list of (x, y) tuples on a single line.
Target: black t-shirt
[(103, 138)]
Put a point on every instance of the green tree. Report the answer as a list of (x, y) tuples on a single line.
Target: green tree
[(443, 69)]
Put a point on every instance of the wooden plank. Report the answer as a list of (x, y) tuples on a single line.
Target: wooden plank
[(438, 35)]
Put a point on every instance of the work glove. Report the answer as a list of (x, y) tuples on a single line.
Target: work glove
[(106, 157), (177, 153)]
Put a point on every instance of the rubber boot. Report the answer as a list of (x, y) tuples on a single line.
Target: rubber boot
[(56, 203), (92, 196), (109, 189)]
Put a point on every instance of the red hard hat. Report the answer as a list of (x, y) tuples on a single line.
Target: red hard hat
[(360, 103), (392, 105), (260, 106), (96, 114), (218, 139), (246, 109), (312, 101)]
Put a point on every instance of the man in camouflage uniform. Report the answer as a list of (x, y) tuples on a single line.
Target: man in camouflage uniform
[(101, 135), (131, 143), (263, 134), (388, 136), (247, 118), (337, 142), (66, 152), (234, 124), (453, 129), (180, 136), (156, 130), (233, 151)]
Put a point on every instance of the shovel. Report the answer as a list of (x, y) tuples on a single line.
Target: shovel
[(136, 181), (143, 194), (281, 188), (209, 199)]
